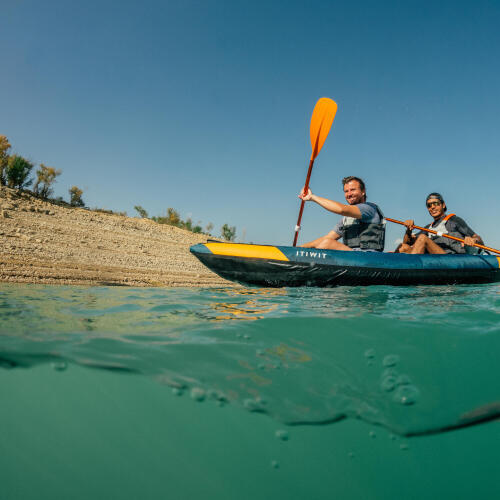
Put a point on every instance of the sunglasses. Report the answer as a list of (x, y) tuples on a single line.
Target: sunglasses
[(433, 203)]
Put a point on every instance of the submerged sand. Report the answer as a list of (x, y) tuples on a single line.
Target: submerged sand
[(42, 242)]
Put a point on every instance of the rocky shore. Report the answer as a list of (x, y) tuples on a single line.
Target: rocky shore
[(42, 242)]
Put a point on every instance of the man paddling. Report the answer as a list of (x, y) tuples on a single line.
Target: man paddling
[(444, 224), (362, 226)]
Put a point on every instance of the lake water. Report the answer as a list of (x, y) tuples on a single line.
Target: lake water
[(232, 393)]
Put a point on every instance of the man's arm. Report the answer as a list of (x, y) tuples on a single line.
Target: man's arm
[(332, 206), (470, 237), (408, 238)]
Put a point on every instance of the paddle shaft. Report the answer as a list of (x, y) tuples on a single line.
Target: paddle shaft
[(306, 187), (444, 235)]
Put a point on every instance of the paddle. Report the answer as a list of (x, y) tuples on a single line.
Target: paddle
[(321, 122), (444, 235)]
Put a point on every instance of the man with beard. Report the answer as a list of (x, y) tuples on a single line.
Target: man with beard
[(362, 227)]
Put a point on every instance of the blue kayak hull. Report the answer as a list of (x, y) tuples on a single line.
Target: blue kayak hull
[(282, 266)]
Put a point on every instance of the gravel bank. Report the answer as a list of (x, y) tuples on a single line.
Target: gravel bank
[(41, 242)]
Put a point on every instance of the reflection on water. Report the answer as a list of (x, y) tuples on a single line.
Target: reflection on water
[(247, 308), (416, 360)]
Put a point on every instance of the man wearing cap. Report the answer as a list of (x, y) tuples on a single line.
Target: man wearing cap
[(362, 227), (445, 224)]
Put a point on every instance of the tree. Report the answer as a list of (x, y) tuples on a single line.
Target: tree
[(76, 197), (45, 177), (173, 217), (197, 228), (228, 233), (4, 157), (141, 211), (17, 172), (209, 227)]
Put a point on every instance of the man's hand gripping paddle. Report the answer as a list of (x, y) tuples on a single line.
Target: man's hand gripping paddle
[(321, 122)]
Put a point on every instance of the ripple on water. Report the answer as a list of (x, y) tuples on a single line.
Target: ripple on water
[(293, 354)]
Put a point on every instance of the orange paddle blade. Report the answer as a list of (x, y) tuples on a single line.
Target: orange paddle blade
[(321, 122)]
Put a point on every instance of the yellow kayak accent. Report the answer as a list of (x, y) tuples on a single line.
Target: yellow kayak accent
[(498, 261), (250, 251)]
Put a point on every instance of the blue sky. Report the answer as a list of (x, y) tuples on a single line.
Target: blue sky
[(205, 106)]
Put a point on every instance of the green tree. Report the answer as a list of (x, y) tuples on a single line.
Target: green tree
[(45, 177), (209, 228), (18, 171), (75, 194), (141, 211), (197, 228), (4, 157), (228, 232)]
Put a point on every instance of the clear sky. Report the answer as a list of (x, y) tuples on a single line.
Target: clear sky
[(204, 106)]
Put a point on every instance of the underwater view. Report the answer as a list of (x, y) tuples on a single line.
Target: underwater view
[(244, 393)]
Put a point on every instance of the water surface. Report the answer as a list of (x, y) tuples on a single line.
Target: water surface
[(364, 376)]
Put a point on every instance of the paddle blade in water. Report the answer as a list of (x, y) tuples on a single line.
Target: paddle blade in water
[(321, 122)]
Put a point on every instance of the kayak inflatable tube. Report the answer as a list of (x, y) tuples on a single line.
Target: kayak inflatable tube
[(282, 266)]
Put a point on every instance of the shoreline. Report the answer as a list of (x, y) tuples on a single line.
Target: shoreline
[(45, 243)]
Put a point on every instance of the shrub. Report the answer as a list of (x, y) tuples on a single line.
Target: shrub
[(4, 157), (173, 217), (228, 232), (141, 211), (187, 224), (75, 194), (46, 176), (209, 228), (17, 172)]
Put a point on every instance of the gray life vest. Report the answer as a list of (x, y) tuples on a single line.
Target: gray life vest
[(364, 235), (439, 239), (440, 228)]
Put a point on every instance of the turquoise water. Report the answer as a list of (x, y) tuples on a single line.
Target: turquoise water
[(374, 392)]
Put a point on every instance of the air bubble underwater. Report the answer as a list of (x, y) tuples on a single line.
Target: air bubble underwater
[(282, 435), (370, 353), (254, 405), (59, 366), (388, 384), (390, 360), (403, 380), (406, 394), (197, 394)]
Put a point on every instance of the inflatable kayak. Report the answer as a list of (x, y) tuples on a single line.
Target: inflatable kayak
[(280, 266)]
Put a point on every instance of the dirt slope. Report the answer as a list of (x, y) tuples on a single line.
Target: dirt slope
[(41, 242)]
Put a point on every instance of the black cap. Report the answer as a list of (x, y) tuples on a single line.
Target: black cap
[(437, 196)]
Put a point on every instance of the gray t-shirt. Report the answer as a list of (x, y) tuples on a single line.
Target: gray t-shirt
[(368, 214), (457, 227)]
